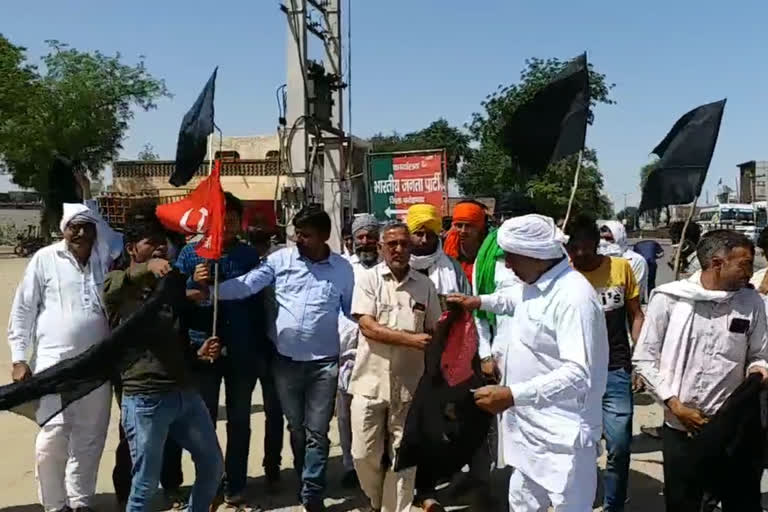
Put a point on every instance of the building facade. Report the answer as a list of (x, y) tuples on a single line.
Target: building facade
[(753, 176)]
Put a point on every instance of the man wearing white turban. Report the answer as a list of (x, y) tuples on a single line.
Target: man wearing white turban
[(365, 236), (556, 368), (57, 314), (615, 243)]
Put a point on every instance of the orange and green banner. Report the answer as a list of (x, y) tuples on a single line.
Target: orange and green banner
[(399, 180)]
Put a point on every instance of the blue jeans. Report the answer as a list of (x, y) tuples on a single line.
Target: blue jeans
[(307, 391), (182, 416), (239, 382), (617, 430)]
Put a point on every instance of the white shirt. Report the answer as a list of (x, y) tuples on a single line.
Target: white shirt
[(503, 278), (348, 335), (556, 367), (703, 370), (640, 269), (57, 312), (757, 279)]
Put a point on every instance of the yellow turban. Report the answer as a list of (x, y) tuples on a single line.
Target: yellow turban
[(424, 216)]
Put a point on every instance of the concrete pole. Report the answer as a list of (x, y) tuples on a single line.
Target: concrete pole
[(296, 100), (296, 107), (335, 185)]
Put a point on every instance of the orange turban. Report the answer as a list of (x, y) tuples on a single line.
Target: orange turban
[(470, 213)]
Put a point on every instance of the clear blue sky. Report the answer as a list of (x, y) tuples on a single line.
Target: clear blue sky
[(416, 60)]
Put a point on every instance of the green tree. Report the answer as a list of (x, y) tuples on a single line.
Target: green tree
[(654, 216), (645, 171), (551, 190), (489, 171), (438, 135), (147, 153), (630, 215), (78, 106)]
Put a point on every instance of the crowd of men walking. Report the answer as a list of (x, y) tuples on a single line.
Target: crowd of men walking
[(560, 332)]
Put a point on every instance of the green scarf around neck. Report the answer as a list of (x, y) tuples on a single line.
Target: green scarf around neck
[(485, 272)]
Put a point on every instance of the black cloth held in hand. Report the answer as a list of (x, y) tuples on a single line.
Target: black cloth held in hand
[(76, 377), (444, 427)]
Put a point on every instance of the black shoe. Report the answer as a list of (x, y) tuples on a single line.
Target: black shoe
[(272, 478), (81, 509), (315, 506), (272, 474), (350, 480), (176, 498)]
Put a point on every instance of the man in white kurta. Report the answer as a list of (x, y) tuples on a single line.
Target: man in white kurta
[(365, 235), (556, 368), (57, 314)]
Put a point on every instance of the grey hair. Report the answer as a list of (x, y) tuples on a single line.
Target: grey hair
[(720, 241), (392, 226)]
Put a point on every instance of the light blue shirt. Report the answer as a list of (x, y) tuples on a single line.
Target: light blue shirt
[(309, 296)]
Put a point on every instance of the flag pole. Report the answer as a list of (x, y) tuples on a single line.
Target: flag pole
[(573, 190), (215, 263), (682, 237)]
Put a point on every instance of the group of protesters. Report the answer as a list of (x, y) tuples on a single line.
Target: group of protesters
[(563, 343)]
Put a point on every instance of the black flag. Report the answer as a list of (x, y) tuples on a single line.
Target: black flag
[(196, 126), (684, 157), (552, 124), (74, 378)]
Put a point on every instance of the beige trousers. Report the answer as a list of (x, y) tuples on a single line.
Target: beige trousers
[(377, 428)]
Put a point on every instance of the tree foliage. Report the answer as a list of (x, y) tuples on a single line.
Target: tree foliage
[(77, 105), (489, 171), (654, 216), (147, 153), (630, 215), (645, 171), (439, 134), (551, 190)]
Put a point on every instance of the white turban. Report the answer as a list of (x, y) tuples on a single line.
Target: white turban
[(108, 244), (619, 233), (534, 236)]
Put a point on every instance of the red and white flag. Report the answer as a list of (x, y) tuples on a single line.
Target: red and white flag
[(201, 212)]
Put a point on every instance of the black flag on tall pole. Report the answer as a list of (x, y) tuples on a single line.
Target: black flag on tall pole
[(196, 126), (552, 124), (684, 158)]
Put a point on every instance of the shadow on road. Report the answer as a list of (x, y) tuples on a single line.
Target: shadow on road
[(643, 443)]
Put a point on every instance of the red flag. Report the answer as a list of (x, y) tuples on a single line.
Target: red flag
[(202, 212)]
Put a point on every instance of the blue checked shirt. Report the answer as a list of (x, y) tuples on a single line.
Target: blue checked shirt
[(240, 323), (309, 296)]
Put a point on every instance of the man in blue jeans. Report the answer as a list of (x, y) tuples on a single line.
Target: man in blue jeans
[(159, 400), (312, 285), (243, 327), (619, 295)]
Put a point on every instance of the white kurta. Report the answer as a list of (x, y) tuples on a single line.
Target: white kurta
[(348, 335), (556, 366), (57, 314), (503, 278)]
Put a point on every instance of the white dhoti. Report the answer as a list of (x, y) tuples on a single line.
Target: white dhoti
[(343, 403), (525, 495), (57, 314), (68, 451)]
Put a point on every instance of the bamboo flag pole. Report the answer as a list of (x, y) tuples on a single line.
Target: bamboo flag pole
[(573, 190), (215, 263), (682, 237)]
